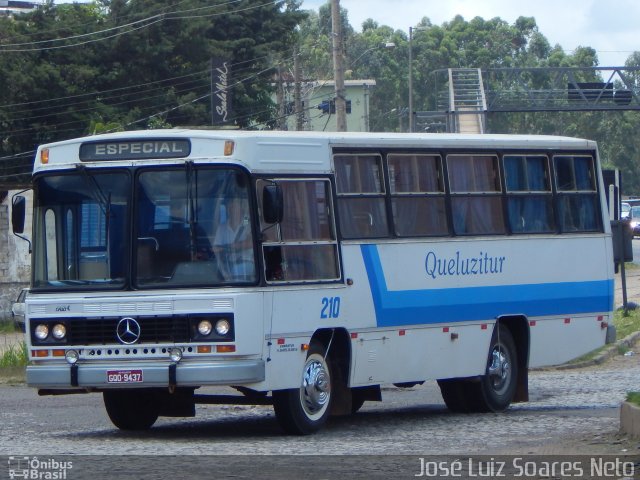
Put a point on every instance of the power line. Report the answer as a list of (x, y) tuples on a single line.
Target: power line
[(155, 19), (53, 30), (152, 17)]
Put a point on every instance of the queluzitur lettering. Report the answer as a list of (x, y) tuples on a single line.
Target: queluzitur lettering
[(483, 264)]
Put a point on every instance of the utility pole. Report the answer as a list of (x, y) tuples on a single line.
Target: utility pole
[(366, 107), (338, 67), (282, 119), (410, 79), (297, 97)]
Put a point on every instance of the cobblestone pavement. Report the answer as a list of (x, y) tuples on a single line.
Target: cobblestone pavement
[(571, 412)]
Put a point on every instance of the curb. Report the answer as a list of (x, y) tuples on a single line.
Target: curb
[(13, 376), (630, 419)]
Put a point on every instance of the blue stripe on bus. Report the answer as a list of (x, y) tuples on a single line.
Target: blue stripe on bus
[(410, 307)]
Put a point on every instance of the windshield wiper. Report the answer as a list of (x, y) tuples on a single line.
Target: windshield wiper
[(104, 201), (192, 208), (96, 192)]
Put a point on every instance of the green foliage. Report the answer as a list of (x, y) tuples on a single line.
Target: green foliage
[(149, 68), (14, 356), (7, 327), (626, 324), (633, 397)]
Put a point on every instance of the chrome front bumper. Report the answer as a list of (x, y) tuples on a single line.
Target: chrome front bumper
[(156, 374)]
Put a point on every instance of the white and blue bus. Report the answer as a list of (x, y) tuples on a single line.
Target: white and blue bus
[(307, 270)]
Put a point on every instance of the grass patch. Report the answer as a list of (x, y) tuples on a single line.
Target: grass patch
[(14, 356), (626, 324), (7, 327), (634, 397)]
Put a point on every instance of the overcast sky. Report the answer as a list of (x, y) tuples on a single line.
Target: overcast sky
[(611, 27)]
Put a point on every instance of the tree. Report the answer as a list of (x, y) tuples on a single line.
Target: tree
[(73, 69)]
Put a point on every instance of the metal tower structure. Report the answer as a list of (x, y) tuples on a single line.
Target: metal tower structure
[(465, 96)]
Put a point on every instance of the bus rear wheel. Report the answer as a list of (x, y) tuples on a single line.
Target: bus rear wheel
[(304, 410), (493, 391), (131, 409), (498, 385)]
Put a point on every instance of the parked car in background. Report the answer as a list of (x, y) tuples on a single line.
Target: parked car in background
[(634, 219), (625, 210), (17, 310)]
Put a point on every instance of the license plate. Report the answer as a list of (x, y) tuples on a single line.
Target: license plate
[(124, 376)]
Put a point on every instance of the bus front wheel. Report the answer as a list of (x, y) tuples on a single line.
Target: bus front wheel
[(304, 410), (131, 409)]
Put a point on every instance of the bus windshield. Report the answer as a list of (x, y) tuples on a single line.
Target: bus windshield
[(191, 227), (80, 224)]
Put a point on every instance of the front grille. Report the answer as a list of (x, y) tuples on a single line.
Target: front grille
[(102, 331)]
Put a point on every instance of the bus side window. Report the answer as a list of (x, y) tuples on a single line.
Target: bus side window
[(577, 195), (361, 201), (475, 194), (303, 246), (417, 195), (529, 199)]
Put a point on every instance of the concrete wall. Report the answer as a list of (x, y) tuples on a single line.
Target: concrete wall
[(15, 260)]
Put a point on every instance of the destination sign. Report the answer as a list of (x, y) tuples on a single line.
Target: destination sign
[(135, 149)]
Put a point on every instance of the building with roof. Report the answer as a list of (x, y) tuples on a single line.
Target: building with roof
[(318, 105), (16, 7)]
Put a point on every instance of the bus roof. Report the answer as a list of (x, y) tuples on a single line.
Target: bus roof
[(294, 151)]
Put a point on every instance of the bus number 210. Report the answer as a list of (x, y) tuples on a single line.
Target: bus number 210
[(330, 307)]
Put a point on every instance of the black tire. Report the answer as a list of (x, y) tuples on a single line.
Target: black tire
[(131, 409), (357, 401), (493, 391), (459, 395), (498, 386), (304, 410)]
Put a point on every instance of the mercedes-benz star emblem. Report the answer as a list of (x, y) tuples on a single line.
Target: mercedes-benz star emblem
[(128, 331)]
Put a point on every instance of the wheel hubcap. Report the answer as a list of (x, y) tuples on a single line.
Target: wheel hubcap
[(499, 370), (315, 387)]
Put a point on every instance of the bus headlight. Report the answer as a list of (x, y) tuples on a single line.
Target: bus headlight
[(223, 326), (205, 327), (41, 332), (59, 331), (212, 328)]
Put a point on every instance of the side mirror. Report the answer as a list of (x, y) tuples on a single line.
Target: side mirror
[(272, 203), (18, 211)]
